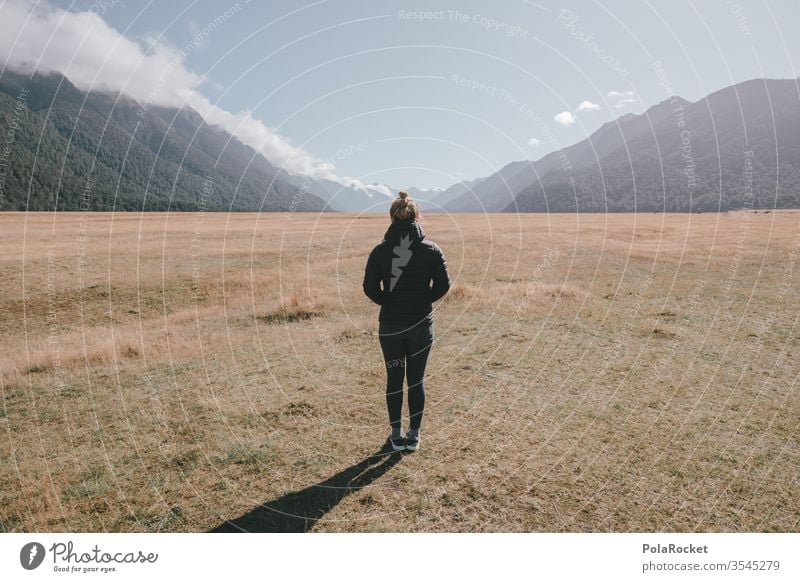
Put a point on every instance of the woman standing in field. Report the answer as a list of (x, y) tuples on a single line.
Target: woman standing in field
[(405, 274)]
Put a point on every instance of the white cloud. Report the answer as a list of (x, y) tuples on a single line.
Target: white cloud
[(356, 184), (622, 98), (565, 118), (94, 56), (588, 106), (533, 142)]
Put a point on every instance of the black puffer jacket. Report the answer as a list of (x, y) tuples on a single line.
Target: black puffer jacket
[(399, 274)]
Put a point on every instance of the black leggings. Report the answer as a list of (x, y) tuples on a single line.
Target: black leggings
[(405, 353)]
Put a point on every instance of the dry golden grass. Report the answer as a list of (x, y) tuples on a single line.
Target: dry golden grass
[(590, 373)]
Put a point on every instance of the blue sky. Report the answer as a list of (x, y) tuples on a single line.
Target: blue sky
[(430, 93)]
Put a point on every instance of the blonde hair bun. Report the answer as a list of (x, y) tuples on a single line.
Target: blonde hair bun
[(404, 207)]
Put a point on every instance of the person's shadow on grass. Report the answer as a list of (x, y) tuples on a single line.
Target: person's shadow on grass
[(300, 510)]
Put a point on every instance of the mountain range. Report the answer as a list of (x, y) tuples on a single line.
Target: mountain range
[(65, 149), (97, 151), (739, 147)]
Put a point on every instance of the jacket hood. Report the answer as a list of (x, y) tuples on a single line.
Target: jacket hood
[(404, 230)]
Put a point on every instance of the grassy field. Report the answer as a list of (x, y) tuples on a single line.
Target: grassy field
[(192, 372)]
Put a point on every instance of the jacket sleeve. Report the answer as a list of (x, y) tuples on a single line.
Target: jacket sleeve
[(441, 279), (372, 279)]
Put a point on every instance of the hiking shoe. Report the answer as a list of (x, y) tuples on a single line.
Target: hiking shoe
[(397, 443), (412, 442)]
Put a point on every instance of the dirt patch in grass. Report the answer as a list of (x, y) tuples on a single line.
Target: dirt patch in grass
[(289, 315), (662, 333)]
